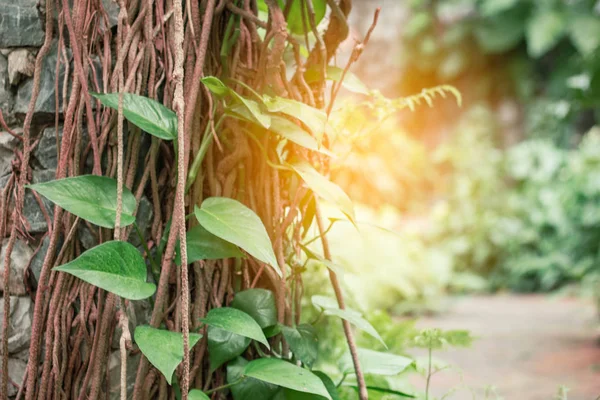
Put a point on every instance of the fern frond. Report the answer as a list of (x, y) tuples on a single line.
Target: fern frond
[(428, 95)]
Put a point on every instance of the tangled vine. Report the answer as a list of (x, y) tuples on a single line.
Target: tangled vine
[(161, 49)]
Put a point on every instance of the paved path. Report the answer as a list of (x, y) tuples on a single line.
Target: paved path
[(527, 346)]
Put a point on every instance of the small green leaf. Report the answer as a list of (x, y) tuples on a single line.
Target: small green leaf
[(271, 331), (303, 341), (250, 111), (544, 30), (295, 22), (351, 81), (325, 189), (147, 114), (115, 266), (196, 394), (259, 304), (376, 362), (215, 85), (249, 388), (203, 245), (235, 321), (313, 118), (91, 197), (232, 221), (585, 33), (492, 7), (224, 346), (164, 349), (287, 375), (354, 317)]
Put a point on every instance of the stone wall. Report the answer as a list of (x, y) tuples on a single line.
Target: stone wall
[(21, 36)]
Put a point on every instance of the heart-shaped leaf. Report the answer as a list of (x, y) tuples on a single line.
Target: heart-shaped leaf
[(224, 346), (147, 114), (90, 197), (235, 321), (303, 341), (232, 221), (287, 375), (325, 189), (259, 304), (196, 394), (203, 245), (115, 266), (164, 349), (354, 317), (376, 362), (295, 21), (313, 118), (249, 388)]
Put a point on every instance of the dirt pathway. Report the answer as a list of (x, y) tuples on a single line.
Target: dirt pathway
[(527, 347)]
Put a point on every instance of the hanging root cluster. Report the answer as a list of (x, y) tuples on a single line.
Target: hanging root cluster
[(74, 322)]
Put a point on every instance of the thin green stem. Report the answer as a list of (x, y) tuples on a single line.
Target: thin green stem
[(342, 380), (225, 386), (429, 374)]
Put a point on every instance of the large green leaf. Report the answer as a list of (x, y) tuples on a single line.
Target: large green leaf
[(235, 321), (294, 21), (203, 245), (354, 317), (544, 30), (196, 394), (331, 388), (376, 362), (232, 221), (224, 346), (293, 132), (115, 266), (325, 189), (287, 375), (585, 33), (164, 349), (147, 114), (313, 118), (303, 341), (249, 388), (91, 197), (259, 304)]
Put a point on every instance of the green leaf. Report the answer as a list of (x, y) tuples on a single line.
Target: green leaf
[(232, 221), (164, 349), (115, 266), (259, 304), (325, 189), (249, 388), (235, 321), (293, 132), (327, 263), (282, 373), (303, 341), (147, 114), (331, 388), (215, 85), (203, 245), (90, 197), (294, 20), (313, 118), (196, 394), (500, 33), (493, 7), (250, 111), (376, 362), (330, 308), (271, 331), (585, 33), (351, 81), (544, 30), (224, 346)]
